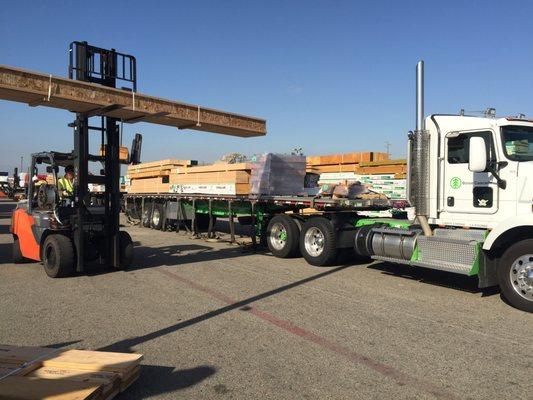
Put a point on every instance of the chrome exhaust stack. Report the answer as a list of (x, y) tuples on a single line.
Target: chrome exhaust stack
[(419, 158)]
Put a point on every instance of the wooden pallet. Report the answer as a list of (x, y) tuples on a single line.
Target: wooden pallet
[(31, 373)]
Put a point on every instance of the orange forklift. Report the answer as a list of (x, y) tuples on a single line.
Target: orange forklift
[(71, 233)]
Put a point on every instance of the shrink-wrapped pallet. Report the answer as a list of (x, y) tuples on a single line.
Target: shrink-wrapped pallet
[(277, 175)]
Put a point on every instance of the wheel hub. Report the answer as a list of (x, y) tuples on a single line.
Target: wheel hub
[(278, 236), (521, 276), (314, 242)]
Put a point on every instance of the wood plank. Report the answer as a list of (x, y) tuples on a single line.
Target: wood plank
[(33, 87), (214, 168), (399, 161), (161, 163), (23, 354), (87, 360), (109, 381), (25, 388), (211, 177)]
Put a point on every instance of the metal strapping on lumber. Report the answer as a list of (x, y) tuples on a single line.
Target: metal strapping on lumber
[(37, 89)]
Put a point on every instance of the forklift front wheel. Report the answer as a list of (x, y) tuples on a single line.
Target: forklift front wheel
[(58, 256), (17, 254), (126, 249)]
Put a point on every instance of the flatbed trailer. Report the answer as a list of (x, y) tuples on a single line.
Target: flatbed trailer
[(276, 220)]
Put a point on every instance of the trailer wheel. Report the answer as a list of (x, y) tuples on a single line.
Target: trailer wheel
[(17, 254), (58, 256), (126, 249), (145, 220), (157, 217), (515, 275), (318, 242), (283, 236)]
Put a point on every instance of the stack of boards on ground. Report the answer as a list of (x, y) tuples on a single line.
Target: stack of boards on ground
[(31, 373), (153, 177), (375, 170)]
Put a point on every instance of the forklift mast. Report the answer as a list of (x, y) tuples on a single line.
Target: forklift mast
[(108, 68)]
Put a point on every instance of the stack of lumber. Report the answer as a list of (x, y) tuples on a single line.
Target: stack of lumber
[(347, 162), (153, 177), (375, 170), (216, 179), (44, 373)]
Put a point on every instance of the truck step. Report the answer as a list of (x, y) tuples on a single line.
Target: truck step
[(447, 253)]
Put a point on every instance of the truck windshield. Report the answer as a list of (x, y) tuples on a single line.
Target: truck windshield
[(518, 142)]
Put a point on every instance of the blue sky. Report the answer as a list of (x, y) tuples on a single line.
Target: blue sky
[(329, 76)]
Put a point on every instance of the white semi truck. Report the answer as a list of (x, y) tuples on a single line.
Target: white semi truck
[(470, 180), (471, 183)]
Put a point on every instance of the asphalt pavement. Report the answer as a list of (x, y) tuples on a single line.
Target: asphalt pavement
[(218, 321)]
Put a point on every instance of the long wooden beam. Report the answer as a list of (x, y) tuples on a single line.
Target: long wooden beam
[(37, 89)]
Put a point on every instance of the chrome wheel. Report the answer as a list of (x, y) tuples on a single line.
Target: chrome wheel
[(156, 217), (314, 242), (521, 276), (278, 236)]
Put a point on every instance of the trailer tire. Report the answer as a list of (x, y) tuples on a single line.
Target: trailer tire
[(17, 254), (126, 249), (514, 266), (146, 217), (58, 256), (156, 219), (318, 243), (283, 237)]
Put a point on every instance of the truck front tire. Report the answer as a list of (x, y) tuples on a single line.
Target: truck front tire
[(318, 243), (58, 256), (283, 236), (515, 275)]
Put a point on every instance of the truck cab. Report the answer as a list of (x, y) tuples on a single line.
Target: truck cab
[(497, 198)]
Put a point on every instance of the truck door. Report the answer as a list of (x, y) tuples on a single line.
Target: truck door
[(466, 191)]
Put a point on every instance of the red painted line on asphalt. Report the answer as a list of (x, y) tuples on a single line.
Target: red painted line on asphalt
[(399, 377)]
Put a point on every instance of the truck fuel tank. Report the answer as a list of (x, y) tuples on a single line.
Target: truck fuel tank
[(386, 242)]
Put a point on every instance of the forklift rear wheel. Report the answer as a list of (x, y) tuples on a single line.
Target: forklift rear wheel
[(126, 249), (318, 242), (17, 254), (157, 217), (283, 236), (515, 275), (58, 256)]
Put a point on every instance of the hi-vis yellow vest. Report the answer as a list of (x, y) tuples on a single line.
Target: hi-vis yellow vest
[(65, 185)]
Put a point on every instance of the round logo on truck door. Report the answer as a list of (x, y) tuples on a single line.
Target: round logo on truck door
[(456, 182)]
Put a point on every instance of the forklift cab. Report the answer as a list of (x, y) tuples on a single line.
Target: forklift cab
[(45, 227)]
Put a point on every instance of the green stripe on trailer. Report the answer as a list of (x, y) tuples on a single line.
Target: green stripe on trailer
[(374, 221)]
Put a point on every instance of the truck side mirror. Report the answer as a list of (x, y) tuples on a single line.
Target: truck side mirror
[(477, 157), (135, 153)]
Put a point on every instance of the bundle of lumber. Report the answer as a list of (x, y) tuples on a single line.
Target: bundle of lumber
[(45, 373), (38, 89), (219, 178), (153, 177), (368, 163)]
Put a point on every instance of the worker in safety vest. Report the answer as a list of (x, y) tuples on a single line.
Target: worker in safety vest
[(65, 185)]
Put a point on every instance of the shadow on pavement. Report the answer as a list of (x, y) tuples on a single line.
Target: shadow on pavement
[(434, 277), (127, 345), (156, 380)]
